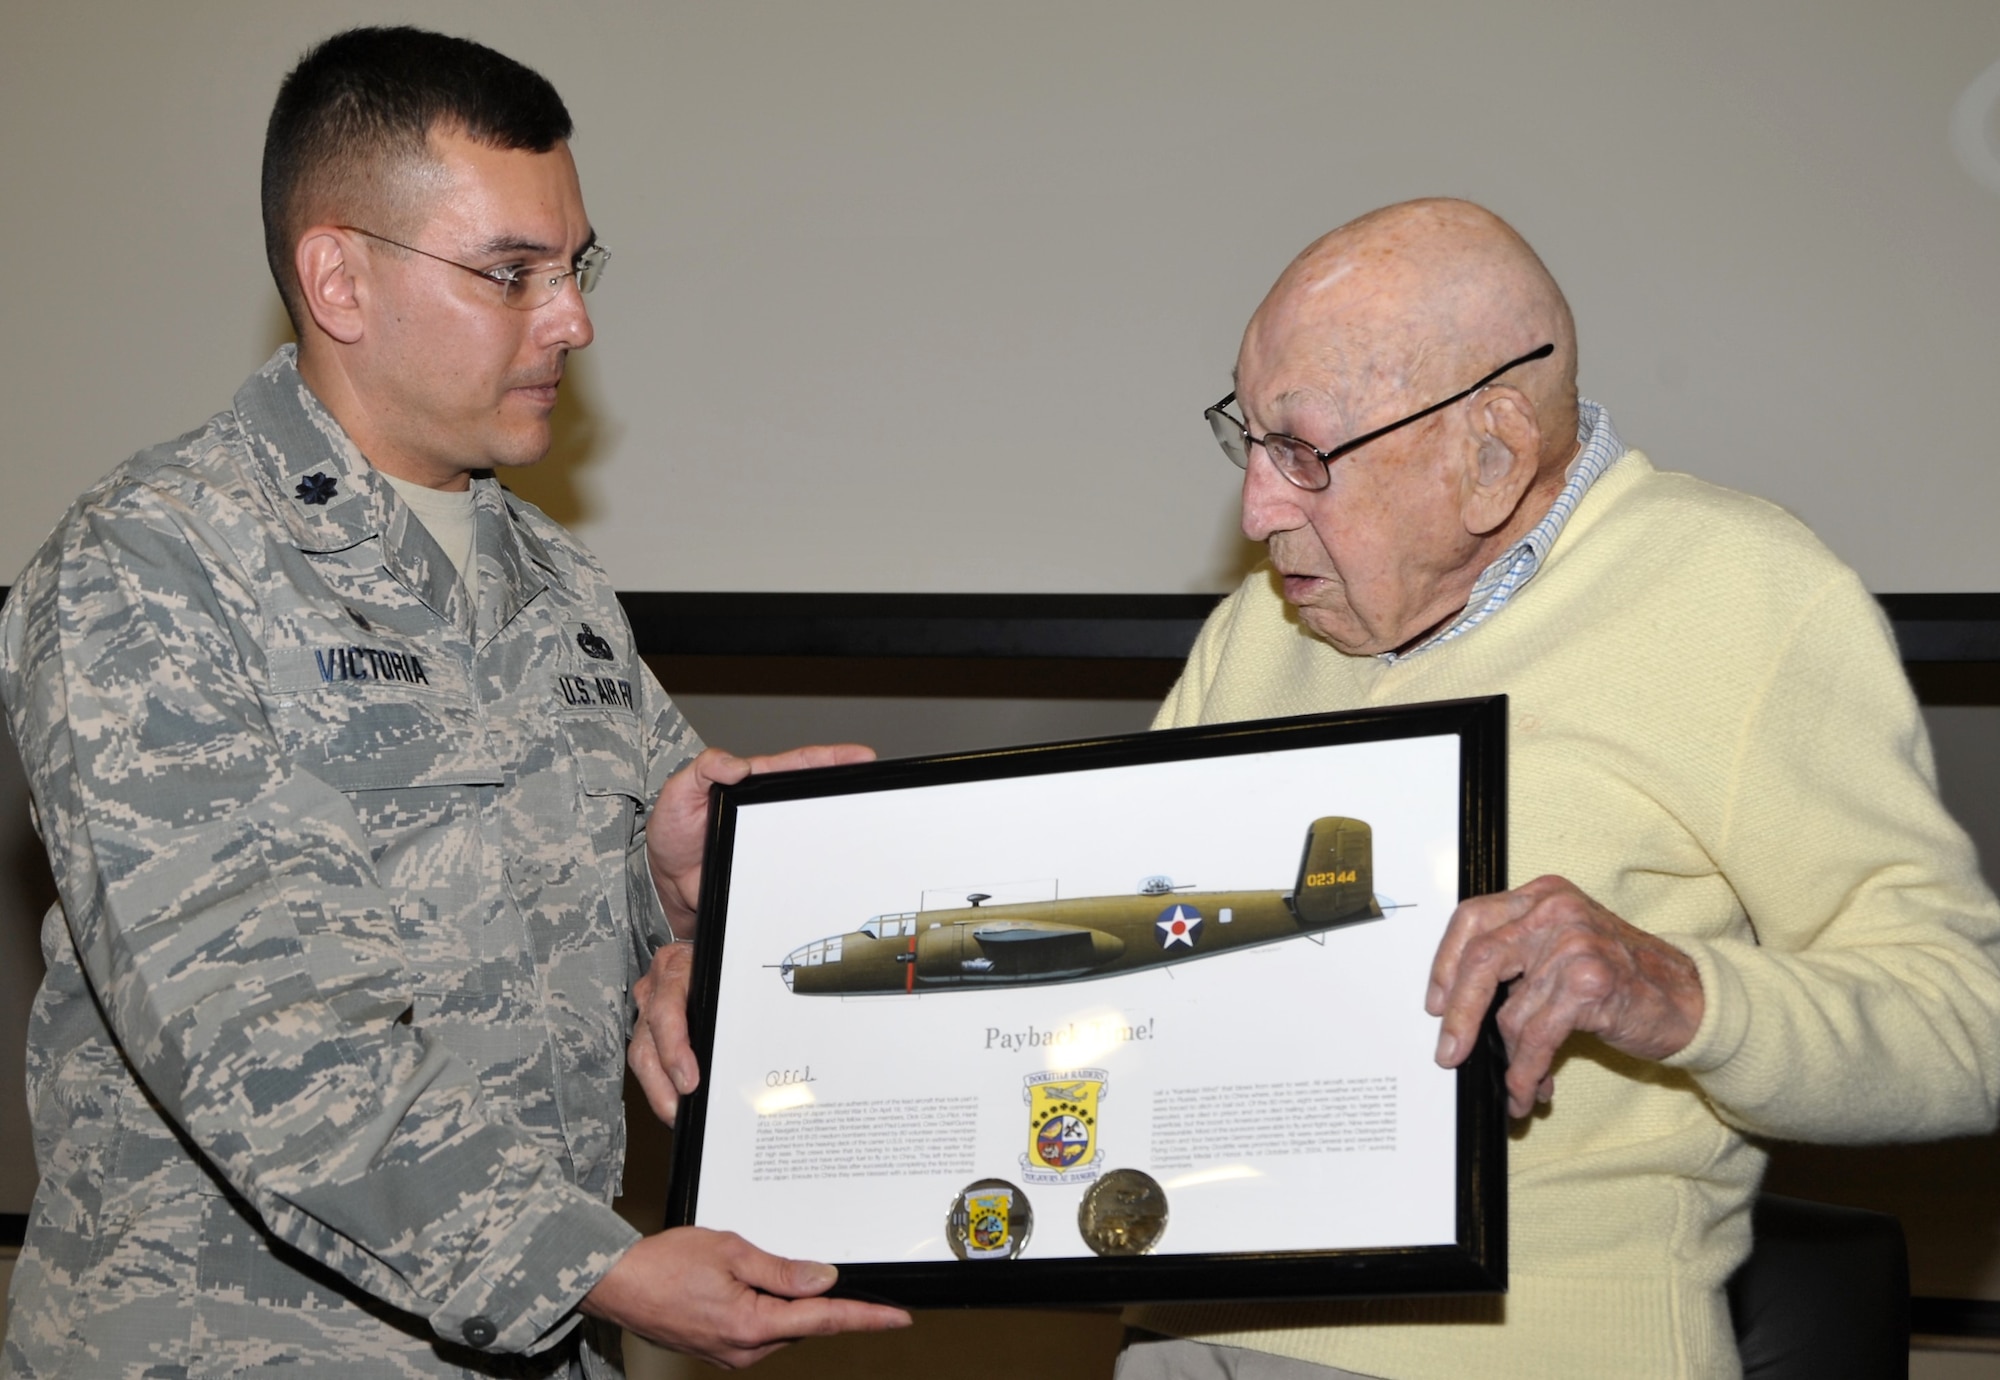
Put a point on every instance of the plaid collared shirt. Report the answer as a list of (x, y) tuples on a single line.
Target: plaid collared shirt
[(1503, 579)]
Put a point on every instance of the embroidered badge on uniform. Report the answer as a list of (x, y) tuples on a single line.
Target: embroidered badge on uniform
[(317, 488), (594, 646)]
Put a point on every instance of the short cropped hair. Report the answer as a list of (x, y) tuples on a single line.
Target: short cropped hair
[(357, 111)]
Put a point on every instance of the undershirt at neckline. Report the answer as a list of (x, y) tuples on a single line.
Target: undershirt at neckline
[(446, 516)]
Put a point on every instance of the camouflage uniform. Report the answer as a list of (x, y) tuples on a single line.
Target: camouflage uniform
[(327, 1066)]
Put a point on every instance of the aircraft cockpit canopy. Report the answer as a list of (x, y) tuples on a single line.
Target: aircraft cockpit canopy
[(827, 950), (891, 926), (810, 956)]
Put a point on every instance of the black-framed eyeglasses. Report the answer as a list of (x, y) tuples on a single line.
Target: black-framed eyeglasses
[(1307, 467), (523, 288)]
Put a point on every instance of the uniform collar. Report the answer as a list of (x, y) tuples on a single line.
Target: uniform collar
[(331, 499), (510, 562)]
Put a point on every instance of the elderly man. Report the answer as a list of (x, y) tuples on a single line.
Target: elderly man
[(359, 805), (1749, 914)]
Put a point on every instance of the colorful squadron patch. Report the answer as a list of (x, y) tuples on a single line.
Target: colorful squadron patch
[(1062, 1126), (1179, 927), (989, 1220), (986, 1227)]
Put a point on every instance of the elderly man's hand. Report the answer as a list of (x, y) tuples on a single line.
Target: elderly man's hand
[(659, 1053), (1575, 966), (714, 1295)]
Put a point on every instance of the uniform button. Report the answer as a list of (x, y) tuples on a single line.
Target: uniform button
[(480, 1331)]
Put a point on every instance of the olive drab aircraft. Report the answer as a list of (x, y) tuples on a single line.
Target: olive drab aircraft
[(1092, 936)]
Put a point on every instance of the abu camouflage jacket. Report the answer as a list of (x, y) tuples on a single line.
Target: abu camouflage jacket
[(327, 1065)]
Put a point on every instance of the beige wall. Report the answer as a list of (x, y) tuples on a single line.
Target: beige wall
[(885, 265)]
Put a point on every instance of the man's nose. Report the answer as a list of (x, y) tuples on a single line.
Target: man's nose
[(565, 319), (1270, 502)]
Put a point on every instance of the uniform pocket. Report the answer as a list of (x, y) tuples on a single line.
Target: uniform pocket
[(372, 717), (605, 750)]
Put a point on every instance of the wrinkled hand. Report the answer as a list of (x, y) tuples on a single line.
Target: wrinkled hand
[(679, 824), (714, 1295), (1575, 966)]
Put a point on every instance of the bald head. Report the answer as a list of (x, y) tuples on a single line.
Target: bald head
[(1417, 300), (1371, 330)]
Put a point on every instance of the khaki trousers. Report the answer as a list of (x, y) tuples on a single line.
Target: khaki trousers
[(1149, 1356)]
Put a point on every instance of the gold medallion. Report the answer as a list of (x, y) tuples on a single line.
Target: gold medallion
[(1123, 1213)]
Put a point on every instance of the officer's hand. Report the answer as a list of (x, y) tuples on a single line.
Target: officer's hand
[(660, 1056), (679, 824), (659, 1053), (1574, 966), (714, 1295)]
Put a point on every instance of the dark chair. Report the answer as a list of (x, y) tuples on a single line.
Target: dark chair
[(1825, 1294)]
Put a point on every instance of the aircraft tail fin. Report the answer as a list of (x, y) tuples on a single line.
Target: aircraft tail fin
[(1337, 874)]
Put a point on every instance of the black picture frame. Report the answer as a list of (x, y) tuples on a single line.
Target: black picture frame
[(1474, 1260)]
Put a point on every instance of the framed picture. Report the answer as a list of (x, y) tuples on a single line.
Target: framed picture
[(1132, 1019)]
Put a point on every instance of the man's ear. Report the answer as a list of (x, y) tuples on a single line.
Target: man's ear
[(1505, 461), (330, 282)]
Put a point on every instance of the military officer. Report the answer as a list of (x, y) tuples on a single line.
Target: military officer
[(365, 813)]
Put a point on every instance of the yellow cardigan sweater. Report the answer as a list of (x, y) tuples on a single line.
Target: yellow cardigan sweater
[(1710, 733)]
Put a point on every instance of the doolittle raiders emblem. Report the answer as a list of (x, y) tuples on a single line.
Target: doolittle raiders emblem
[(1062, 1126), (989, 1220)]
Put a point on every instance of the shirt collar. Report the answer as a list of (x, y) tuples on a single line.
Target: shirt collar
[(324, 490), (1598, 446), (331, 499)]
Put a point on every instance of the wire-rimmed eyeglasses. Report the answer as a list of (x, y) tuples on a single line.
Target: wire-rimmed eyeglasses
[(522, 287), (1304, 465)]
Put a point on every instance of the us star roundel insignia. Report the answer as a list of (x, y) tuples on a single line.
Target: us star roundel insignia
[(1179, 927)]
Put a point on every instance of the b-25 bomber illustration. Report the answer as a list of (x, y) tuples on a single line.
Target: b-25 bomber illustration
[(1092, 936)]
